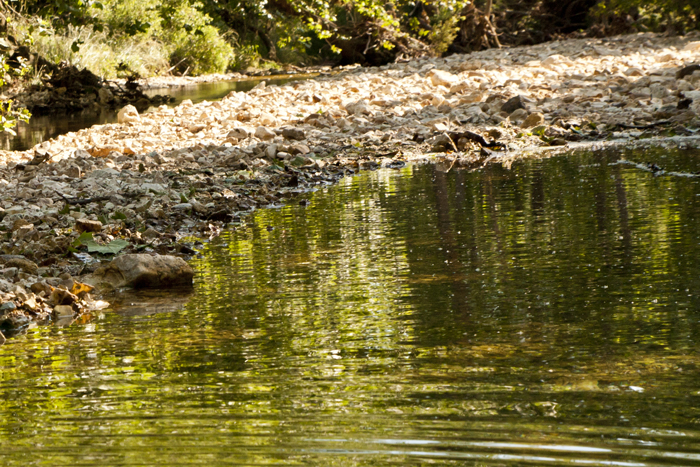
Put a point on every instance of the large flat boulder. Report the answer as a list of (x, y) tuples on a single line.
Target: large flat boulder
[(143, 271)]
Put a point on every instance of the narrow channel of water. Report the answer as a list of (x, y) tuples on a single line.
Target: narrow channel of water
[(45, 127), (544, 315)]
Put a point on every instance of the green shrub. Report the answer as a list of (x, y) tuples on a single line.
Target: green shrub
[(204, 51), (196, 46)]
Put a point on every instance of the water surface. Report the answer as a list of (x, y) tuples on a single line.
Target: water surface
[(545, 314)]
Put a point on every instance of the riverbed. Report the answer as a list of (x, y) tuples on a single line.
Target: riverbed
[(541, 314)]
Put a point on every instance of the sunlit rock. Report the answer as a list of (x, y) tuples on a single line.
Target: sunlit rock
[(143, 271), (128, 114)]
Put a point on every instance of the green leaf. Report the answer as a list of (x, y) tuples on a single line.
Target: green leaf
[(112, 248), (119, 216), (83, 239)]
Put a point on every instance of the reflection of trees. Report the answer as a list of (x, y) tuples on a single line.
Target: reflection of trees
[(457, 286), (573, 252)]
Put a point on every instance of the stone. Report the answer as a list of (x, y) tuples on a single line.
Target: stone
[(105, 95), (692, 47), (62, 297), (268, 119), (264, 133), (2, 338), (151, 233), (442, 78), (533, 120), (63, 311), (687, 71), (299, 148), (357, 108), (23, 264), (658, 91), (15, 320), (87, 225), (518, 115), (142, 271), (293, 133), (128, 114), (513, 104), (271, 151), (238, 133)]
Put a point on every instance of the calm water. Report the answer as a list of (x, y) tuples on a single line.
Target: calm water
[(544, 315), (43, 128)]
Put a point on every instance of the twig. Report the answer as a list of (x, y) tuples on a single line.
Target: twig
[(176, 65), (644, 127)]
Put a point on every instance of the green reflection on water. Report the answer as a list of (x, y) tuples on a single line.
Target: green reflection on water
[(542, 315)]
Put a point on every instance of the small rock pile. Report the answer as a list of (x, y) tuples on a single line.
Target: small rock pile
[(149, 183)]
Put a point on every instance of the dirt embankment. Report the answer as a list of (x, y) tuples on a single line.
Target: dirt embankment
[(151, 182)]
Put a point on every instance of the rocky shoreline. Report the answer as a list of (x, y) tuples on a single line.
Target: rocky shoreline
[(143, 189)]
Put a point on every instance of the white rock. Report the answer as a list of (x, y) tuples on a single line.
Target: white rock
[(271, 150), (357, 108), (442, 78), (238, 133), (268, 119), (692, 47), (128, 114)]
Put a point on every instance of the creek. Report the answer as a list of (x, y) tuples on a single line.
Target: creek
[(44, 127), (545, 314)]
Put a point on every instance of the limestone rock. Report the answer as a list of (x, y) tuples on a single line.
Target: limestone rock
[(238, 133), (128, 114), (87, 225), (63, 311), (534, 119), (142, 271), (692, 47), (687, 71), (293, 133), (357, 108), (264, 133), (442, 78), (299, 148), (513, 104), (25, 265)]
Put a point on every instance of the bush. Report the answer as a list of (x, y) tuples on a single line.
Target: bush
[(205, 51), (108, 57), (196, 46)]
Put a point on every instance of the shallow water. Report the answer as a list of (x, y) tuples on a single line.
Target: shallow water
[(45, 127), (542, 315)]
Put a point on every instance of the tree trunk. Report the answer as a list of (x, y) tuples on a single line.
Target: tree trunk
[(271, 48)]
